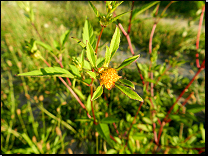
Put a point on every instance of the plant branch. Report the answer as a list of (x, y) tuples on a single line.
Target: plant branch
[(37, 32), (99, 39), (182, 105), (129, 28), (164, 120), (73, 93), (131, 49), (198, 37), (153, 124)]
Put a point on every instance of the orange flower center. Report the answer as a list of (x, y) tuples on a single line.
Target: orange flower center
[(108, 77)]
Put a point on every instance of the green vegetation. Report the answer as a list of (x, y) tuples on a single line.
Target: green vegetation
[(41, 115)]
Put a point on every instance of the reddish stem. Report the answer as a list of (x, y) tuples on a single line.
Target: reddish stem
[(73, 93), (114, 125), (153, 124), (150, 51), (151, 36), (164, 120), (129, 28), (99, 39), (198, 37), (182, 105), (131, 49)]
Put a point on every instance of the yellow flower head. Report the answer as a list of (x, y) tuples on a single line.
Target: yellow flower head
[(108, 77)]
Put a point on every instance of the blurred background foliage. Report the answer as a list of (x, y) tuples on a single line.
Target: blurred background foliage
[(35, 131)]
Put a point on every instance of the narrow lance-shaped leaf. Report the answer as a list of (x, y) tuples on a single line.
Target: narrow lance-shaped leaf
[(114, 42), (118, 16), (31, 144), (64, 37), (130, 93), (143, 8), (92, 74), (127, 82), (100, 61), (75, 70), (126, 62), (109, 120), (44, 45), (94, 9), (82, 58), (103, 130), (91, 54), (49, 71), (97, 93), (107, 57), (79, 42), (88, 34)]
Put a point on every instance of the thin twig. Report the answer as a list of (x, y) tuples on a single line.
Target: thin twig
[(164, 120), (131, 49), (182, 105), (129, 27), (99, 39), (37, 32), (198, 37), (73, 93)]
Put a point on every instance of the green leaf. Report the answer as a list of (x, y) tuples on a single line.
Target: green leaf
[(88, 34), (103, 130), (82, 58), (44, 45), (79, 42), (57, 119), (92, 74), (138, 136), (49, 71), (56, 44), (118, 16), (29, 141), (130, 93), (109, 120), (150, 80), (201, 127), (147, 120), (111, 151), (79, 93), (88, 105), (128, 61), (138, 11), (94, 9), (100, 61), (147, 128), (75, 70), (91, 55), (64, 37), (107, 56), (97, 93), (127, 82), (194, 108), (114, 44), (114, 8), (88, 81)]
